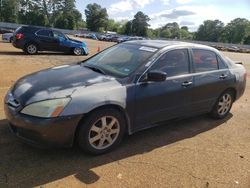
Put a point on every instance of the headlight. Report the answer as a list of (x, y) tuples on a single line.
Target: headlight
[(46, 109)]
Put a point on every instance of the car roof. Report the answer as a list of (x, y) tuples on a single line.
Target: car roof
[(39, 28), (165, 43)]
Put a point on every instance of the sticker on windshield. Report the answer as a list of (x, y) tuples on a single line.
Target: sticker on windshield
[(148, 49)]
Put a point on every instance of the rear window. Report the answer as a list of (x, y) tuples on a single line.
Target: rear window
[(204, 60)]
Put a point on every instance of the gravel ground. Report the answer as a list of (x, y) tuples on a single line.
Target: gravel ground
[(197, 152)]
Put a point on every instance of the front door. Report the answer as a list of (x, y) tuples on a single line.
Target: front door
[(160, 101)]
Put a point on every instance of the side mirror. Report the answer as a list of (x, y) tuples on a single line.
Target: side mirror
[(156, 76)]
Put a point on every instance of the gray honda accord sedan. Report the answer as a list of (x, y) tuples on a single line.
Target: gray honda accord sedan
[(121, 90)]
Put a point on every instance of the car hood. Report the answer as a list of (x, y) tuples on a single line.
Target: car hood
[(75, 41), (57, 82)]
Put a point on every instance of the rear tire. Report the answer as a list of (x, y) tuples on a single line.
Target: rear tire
[(31, 49), (101, 131), (223, 105)]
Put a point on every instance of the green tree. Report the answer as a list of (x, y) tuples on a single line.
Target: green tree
[(151, 33), (140, 24), (237, 31), (9, 10), (128, 28), (165, 33), (112, 25), (210, 30), (184, 28), (184, 34), (96, 17)]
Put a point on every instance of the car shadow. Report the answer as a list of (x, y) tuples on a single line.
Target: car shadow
[(39, 53), (24, 166)]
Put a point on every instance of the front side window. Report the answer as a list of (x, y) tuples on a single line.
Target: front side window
[(58, 35), (174, 63), (44, 33), (204, 60)]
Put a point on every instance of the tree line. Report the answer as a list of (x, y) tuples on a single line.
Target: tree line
[(51, 13), (63, 14)]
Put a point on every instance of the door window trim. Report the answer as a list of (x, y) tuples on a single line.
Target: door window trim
[(193, 63), (163, 53), (36, 33)]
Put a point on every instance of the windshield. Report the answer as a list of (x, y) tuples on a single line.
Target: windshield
[(121, 60)]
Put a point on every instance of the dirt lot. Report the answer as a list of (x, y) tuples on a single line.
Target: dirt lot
[(198, 152)]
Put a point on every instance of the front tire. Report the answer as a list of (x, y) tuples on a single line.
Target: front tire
[(77, 51), (101, 132), (223, 105)]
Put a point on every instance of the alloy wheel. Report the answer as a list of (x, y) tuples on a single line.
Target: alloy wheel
[(224, 104), (104, 132), (31, 49), (77, 51)]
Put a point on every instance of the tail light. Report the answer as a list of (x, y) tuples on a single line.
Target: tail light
[(19, 36)]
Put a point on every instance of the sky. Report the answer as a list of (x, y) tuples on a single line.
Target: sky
[(189, 13)]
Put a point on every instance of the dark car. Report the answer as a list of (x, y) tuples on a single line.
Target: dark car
[(122, 90), (34, 39)]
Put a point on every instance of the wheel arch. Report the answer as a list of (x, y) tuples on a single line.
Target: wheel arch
[(106, 106), (233, 90), (32, 42)]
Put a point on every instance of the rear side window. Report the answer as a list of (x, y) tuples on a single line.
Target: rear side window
[(222, 64), (58, 34), (204, 60), (174, 63), (45, 33)]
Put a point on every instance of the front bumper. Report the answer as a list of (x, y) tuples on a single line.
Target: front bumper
[(42, 132)]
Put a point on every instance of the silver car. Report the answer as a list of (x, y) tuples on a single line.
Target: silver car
[(7, 37)]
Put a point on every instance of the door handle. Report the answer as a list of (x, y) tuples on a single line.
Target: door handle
[(223, 76), (186, 84)]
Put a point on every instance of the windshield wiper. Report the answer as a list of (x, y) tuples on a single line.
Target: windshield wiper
[(96, 69)]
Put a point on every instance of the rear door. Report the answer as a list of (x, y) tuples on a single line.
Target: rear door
[(46, 40), (211, 78), (160, 101)]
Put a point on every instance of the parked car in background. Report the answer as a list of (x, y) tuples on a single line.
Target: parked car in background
[(101, 37), (233, 49), (33, 39), (115, 38), (2, 31), (122, 39), (127, 38), (124, 89), (7, 37), (92, 36)]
